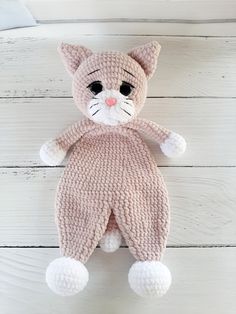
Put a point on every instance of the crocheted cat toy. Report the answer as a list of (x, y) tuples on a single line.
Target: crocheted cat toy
[(111, 186)]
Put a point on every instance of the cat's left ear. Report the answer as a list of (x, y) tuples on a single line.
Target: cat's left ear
[(147, 56), (73, 56)]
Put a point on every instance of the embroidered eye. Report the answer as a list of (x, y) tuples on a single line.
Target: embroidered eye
[(126, 88), (95, 87)]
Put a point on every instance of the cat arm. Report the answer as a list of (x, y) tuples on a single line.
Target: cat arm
[(54, 151), (171, 144)]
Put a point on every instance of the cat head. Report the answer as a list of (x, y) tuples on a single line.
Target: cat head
[(110, 87)]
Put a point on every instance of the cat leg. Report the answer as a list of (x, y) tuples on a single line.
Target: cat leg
[(112, 238), (81, 220), (143, 218)]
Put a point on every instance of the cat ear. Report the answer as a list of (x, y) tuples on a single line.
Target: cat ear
[(147, 56), (73, 55)]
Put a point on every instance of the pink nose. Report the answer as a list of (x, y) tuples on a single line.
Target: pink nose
[(111, 101)]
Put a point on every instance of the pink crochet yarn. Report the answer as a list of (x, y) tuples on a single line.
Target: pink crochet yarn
[(111, 185)]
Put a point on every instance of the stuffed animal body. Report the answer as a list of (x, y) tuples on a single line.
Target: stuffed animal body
[(111, 187)]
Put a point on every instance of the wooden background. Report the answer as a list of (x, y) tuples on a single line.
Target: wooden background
[(193, 93)]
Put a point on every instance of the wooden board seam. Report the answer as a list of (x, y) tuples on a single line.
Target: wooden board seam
[(138, 20), (199, 246)]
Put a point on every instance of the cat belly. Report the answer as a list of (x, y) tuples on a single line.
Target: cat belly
[(109, 162), (105, 175)]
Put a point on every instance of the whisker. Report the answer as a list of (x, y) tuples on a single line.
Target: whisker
[(94, 105), (96, 112), (128, 103), (125, 111)]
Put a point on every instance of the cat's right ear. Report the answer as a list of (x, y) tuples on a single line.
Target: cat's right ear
[(73, 56)]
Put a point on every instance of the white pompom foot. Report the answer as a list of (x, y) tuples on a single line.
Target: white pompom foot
[(111, 241), (174, 145), (51, 153), (149, 278), (66, 276)]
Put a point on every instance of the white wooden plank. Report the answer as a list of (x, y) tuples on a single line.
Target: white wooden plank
[(209, 126), (73, 30), (203, 282), (132, 9), (202, 199), (187, 66)]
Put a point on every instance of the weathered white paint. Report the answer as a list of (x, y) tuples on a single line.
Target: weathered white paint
[(209, 126), (132, 9), (73, 30), (203, 282), (202, 199), (190, 66)]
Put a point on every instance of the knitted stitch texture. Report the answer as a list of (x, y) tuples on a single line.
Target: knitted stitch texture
[(111, 185), (114, 67), (110, 170)]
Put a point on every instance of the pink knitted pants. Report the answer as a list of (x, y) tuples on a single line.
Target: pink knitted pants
[(111, 172)]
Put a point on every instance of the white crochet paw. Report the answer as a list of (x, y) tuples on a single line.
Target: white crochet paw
[(111, 241), (66, 276), (52, 154), (174, 145), (149, 278)]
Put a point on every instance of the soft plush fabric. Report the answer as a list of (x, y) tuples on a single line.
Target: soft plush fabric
[(111, 186), (122, 179), (13, 13)]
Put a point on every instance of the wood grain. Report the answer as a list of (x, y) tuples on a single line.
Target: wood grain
[(73, 30), (203, 282), (209, 126), (190, 66), (201, 73), (202, 200), (132, 9)]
